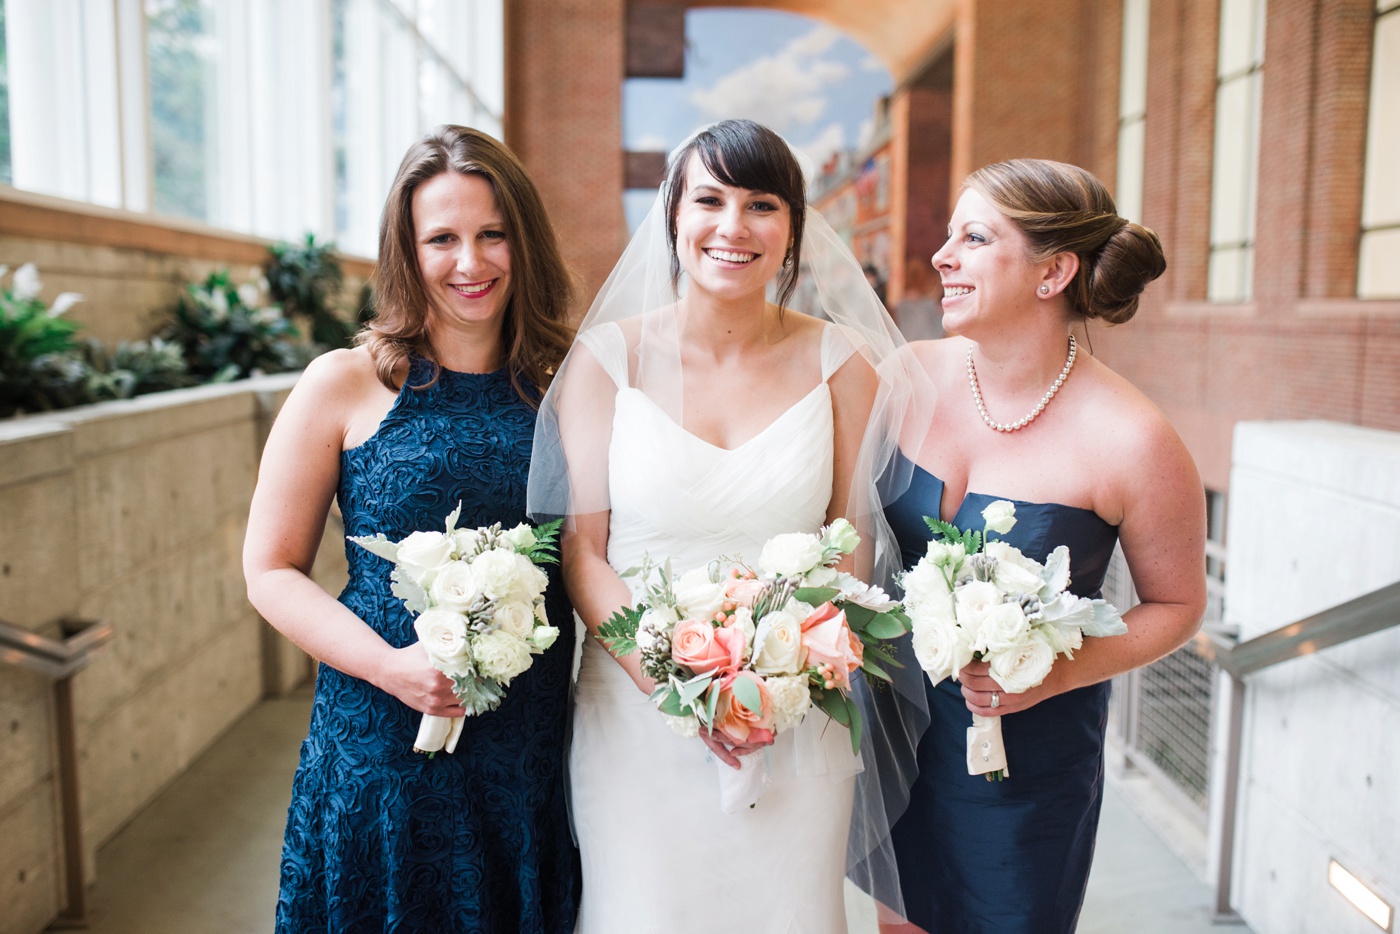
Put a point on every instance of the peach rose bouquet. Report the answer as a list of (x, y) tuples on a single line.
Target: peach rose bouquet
[(743, 651)]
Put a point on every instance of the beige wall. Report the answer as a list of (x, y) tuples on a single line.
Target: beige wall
[(131, 512)]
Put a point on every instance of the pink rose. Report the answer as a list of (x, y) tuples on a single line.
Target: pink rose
[(829, 641), (743, 591), (697, 645), (737, 723)]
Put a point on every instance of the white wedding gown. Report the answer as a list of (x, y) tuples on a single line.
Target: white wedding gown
[(659, 855)]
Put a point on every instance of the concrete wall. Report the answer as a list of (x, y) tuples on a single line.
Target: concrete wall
[(132, 512), (1315, 521)]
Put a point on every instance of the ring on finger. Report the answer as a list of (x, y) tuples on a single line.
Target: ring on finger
[(996, 699)]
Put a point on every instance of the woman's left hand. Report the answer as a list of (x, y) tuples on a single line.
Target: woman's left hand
[(978, 686)]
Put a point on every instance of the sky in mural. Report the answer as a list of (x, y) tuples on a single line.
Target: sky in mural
[(807, 80)]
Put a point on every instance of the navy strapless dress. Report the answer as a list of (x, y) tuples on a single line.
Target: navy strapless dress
[(380, 838), (1009, 857)]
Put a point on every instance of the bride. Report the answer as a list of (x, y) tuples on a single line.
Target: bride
[(697, 417)]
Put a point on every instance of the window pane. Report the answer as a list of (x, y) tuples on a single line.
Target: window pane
[(1379, 269), (1132, 154), (1381, 204), (1132, 98), (1233, 166), (6, 174), (1236, 36), (1227, 278), (178, 41)]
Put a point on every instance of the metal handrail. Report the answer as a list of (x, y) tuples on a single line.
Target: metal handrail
[(59, 660), (1372, 613)]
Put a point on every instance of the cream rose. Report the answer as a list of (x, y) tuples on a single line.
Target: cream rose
[(1023, 667), (454, 587), (791, 700), (1014, 573), (500, 655), (842, 536), (422, 553), (925, 584), (941, 647), (688, 727), (697, 596), (777, 644), (514, 618), (543, 637), (790, 554), (443, 634), (498, 572), (1000, 516), (1001, 628), (521, 538)]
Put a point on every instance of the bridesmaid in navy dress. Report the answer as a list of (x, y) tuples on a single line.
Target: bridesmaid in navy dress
[(1026, 414), (435, 407)]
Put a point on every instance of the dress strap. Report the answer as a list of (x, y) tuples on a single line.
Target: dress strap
[(838, 343), (609, 347)]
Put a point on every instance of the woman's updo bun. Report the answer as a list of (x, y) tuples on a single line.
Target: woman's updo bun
[(1062, 208)]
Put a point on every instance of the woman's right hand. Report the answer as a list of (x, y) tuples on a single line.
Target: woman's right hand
[(408, 674)]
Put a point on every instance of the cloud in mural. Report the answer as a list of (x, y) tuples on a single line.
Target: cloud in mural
[(831, 138), (783, 91)]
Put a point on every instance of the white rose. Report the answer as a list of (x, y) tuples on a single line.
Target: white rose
[(497, 572), (688, 727), (500, 655), (514, 618), (698, 596), (1023, 667), (1000, 516), (530, 581), (454, 587), (1001, 629), (521, 538), (543, 637), (925, 583), (842, 536), (942, 648), (976, 597), (777, 644), (791, 699), (1014, 572), (422, 553), (742, 620), (443, 635), (790, 554), (27, 283)]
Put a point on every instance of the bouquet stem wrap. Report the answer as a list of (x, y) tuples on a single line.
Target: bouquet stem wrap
[(438, 733), (742, 787), (985, 751)]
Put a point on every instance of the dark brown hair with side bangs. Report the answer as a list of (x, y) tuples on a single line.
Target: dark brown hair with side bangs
[(743, 154), (535, 330)]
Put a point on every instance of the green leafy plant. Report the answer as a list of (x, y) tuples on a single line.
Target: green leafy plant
[(305, 279), (37, 344), (135, 368), (223, 338)]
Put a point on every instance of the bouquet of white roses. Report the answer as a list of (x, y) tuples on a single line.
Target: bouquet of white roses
[(479, 600), (743, 651), (971, 598)]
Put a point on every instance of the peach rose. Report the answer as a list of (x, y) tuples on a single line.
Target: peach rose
[(737, 723), (829, 641), (743, 591), (695, 645)]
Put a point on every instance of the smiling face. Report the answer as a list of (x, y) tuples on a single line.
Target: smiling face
[(988, 279), (730, 241), (463, 251)]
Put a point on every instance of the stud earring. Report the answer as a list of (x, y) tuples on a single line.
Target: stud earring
[(1044, 289)]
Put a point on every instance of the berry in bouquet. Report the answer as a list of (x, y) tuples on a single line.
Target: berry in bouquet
[(478, 600), (975, 598)]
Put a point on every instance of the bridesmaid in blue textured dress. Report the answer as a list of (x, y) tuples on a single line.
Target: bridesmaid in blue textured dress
[(1025, 414), (436, 406)]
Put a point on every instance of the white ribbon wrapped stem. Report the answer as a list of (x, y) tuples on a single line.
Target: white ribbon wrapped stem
[(742, 787), (437, 733), (985, 751)]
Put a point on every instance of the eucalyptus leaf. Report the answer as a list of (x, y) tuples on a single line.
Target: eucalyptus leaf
[(671, 704), (694, 688), (746, 692), (857, 725), (711, 703), (816, 596), (885, 626)]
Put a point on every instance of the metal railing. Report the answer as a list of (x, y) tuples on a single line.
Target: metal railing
[(1364, 616), (58, 660)]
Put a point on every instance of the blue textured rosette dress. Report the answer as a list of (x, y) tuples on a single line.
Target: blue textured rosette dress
[(380, 838), (1009, 857)]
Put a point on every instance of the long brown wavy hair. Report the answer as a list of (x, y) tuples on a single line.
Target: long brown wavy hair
[(535, 330)]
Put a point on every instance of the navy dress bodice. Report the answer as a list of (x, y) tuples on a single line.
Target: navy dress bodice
[(380, 838), (1011, 856)]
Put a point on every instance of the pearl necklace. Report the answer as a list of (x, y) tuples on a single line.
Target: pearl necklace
[(1040, 406)]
